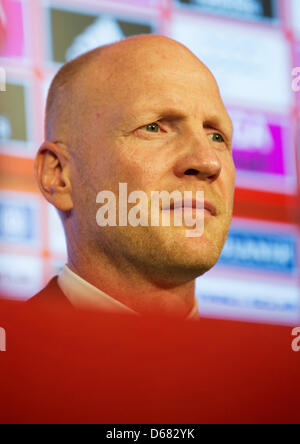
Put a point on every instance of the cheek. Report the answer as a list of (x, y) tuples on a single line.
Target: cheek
[(138, 166), (233, 178), (229, 175), (227, 186)]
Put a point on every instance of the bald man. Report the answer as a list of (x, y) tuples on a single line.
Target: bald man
[(145, 112)]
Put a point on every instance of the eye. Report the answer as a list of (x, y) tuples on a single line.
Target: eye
[(152, 128), (217, 137)]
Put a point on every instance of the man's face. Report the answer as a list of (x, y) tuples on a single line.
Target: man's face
[(187, 148)]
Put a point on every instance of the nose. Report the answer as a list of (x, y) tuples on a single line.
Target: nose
[(198, 158)]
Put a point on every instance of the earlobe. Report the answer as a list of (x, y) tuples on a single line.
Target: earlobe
[(53, 176)]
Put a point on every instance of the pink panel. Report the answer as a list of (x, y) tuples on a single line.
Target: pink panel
[(11, 29)]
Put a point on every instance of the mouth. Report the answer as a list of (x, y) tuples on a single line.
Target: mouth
[(192, 205)]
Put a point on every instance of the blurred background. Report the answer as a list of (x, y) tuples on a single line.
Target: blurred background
[(252, 47)]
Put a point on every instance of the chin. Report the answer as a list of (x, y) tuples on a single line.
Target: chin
[(200, 254), (198, 266), (179, 273), (171, 256), (188, 262)]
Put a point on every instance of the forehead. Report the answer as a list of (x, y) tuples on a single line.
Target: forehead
[(151, 81)]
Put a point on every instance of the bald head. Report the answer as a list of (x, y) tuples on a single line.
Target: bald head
[(101, 70)]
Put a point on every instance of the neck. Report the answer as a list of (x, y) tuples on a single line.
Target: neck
[(143, 294)]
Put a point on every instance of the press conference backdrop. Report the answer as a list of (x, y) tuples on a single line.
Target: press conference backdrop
[(251, 46)]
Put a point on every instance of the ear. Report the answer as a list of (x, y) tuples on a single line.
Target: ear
[(52, 173)]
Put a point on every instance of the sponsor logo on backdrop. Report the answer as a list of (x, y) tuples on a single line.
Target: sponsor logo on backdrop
[(13, 124), (256, 277), (263, 251), (85, 31), (258, 144), (246, 9), (242, 60), (251, 297), (11, 29), (296, 76), (296, 79), (103, 31), (20, 276), (19, 220)]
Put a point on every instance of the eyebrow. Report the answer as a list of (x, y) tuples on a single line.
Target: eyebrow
[(217, 121), (213, 121), (176, 113), (169, 113)]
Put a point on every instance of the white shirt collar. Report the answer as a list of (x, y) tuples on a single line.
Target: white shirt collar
[(82, 294)]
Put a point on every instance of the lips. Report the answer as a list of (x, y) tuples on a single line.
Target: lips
[(210, 207), (193, 204)]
